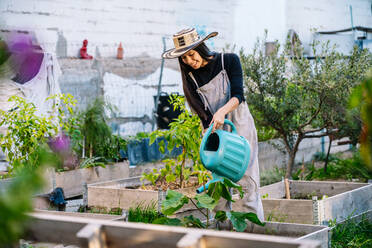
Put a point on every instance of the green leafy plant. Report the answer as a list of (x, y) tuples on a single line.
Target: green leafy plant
[(276, 216), (92, 162), (25, 131), (352, 234), (271, 176), (98, 138), (299, 97), (184, 132), (347, 169), (205, 203), (143, 213)]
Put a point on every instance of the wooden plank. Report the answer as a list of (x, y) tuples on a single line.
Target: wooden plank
[(92, 236), (121, 183), (298, 231), (282, 210), (73, 181), (80, 215), (273, 191), (192, 240), (321, 188), (291, 211), (50, 228), (122, 198), (114, 193), (321, 235), (353, 202)]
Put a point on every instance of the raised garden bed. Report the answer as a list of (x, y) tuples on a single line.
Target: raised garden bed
[(73, 183), (127, 193), (82, 231), (329, 201)]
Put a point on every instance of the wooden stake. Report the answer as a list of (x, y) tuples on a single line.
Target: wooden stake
[(287, 193)]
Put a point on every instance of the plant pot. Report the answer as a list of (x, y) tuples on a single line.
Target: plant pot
[(137, 152), (140, 151)]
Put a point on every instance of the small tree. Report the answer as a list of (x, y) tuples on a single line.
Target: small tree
[(184, 132), (294, 94)]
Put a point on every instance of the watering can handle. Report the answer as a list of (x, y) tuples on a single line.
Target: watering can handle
[(226, 121)]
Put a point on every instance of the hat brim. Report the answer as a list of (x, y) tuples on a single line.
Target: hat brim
[(175, 53)]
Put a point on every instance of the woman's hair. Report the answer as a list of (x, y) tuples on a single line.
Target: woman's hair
[(195, 104)]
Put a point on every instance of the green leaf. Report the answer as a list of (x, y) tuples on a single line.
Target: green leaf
[(238, 220), (170, 178), (231, 184), (220, 216), (215, 190), (173, 201), (168, 221), (191, 221), (205, 201)]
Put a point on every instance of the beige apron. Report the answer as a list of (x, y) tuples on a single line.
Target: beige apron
[(214, 95)]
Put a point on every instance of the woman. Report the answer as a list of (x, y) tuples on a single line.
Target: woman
[(213, 87)]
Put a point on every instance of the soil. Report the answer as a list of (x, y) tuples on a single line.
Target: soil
[(190, 183)]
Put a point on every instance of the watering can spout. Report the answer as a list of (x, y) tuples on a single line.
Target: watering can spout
[(205, 187)]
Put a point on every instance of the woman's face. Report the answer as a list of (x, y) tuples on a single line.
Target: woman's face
[(193, 59)]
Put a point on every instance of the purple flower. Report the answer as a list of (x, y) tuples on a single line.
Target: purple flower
[(60, 144)]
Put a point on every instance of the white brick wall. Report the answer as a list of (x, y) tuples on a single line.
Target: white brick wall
[(278, 16), (140, 24), (106, 23)]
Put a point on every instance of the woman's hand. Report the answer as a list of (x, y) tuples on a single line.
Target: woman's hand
[(219, 116), (218, 119), (204, 130)]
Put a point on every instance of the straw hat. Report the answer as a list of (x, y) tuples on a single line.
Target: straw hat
[(184, 41)]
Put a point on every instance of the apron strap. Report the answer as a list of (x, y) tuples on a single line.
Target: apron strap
[(223, 66), (193, 79), (204, 99)]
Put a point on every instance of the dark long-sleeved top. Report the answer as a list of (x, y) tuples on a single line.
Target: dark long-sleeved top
[(205, 74)]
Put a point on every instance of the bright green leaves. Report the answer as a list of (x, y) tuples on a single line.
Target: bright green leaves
[(222, 189), (191, 221), (205, 201), (173, 201), (238, 219), (220, 216), (168, 221), (26, 130), (184, 132)]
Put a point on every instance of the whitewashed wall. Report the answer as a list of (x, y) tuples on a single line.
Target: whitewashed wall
[(278, 16), (136, 23), (251, 18), (142, 23)]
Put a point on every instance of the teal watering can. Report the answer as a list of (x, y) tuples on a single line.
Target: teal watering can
[(225, 154)]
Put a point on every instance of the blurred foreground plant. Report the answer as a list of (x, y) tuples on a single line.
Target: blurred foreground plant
[(16, 200), (362, 98)]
